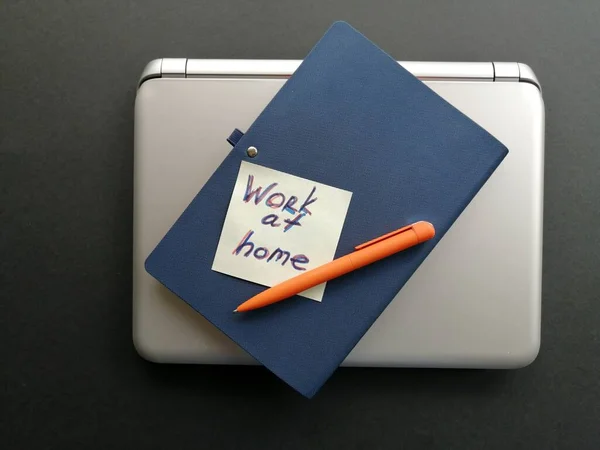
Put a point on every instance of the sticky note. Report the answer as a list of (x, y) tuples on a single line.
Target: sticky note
[(278, 226)]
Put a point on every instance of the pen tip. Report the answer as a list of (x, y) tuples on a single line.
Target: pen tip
[(235, 310)]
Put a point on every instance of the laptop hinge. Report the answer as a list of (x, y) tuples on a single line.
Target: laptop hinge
[(506, 71), (207, 68), (174, 67), (426, 71)]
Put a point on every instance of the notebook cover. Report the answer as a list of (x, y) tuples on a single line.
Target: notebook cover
[(352, 118)]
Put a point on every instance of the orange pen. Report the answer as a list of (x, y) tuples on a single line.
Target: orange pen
[(365, 254)]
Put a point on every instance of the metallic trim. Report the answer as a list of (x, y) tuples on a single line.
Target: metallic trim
[(251, 68), (257, 68), (152, 70), (526, 75), (284, 68)]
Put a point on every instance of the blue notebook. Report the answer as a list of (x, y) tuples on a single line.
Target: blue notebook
[(352, 118)]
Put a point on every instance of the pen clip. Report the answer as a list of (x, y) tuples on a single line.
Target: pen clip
[(384, 237)]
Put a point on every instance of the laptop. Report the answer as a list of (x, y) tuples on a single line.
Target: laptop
[(476, 300)]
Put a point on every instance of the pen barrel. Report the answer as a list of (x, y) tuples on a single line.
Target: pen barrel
[(364, 255), (385, 248), (299, 283), (312, 278)]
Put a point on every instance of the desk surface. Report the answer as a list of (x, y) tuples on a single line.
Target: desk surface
[(70, 374)]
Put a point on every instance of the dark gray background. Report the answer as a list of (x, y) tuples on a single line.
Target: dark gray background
[(70, 376)]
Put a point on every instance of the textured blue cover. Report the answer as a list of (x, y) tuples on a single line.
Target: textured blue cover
[(352, 118)]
